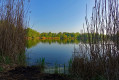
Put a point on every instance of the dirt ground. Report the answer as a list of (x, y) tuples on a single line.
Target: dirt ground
[(30, 73)]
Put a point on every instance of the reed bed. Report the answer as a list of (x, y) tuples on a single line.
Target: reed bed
[(99, 59), (12, 28)]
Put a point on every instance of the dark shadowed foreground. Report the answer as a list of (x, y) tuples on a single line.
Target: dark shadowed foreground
[(30, 73)]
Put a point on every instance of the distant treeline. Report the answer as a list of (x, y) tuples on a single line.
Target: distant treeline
[(65, 35), (32, 33)]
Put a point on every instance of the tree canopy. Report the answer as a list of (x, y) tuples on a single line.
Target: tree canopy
[(32, 33)]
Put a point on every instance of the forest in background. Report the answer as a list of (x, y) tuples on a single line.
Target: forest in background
[(35, 37), (33, 34), (63, 35)]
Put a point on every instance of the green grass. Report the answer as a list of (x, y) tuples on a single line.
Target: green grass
[(1, 69), (21, 59), (56, 68), (41, 63), (98, 78), (70, 65), (7, 60)]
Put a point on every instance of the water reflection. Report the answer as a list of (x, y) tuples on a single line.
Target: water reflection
[(54, 51), (33, 42)]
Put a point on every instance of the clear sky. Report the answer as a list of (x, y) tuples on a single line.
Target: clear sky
[(59, 15)]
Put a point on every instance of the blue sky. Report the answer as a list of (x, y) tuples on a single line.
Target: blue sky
[(59, 15)]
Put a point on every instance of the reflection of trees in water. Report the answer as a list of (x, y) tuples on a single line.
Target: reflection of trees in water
[(34, 42)]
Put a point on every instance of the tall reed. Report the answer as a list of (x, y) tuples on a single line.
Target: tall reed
[(12, 28), (100, 58)]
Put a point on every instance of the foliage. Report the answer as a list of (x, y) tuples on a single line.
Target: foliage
[(60, 36), (32, 33), (63, 35)]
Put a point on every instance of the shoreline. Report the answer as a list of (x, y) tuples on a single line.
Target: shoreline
[(33, 73)]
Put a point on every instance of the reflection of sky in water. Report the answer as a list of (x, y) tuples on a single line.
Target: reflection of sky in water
[(53, 53)]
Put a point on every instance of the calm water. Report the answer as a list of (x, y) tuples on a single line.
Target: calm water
[(59, 52)]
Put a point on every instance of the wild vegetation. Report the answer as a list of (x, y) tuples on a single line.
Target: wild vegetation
[(12, 31), (33, 34), (99, 60)]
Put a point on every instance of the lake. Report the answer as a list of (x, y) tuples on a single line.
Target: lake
[(53, 51)]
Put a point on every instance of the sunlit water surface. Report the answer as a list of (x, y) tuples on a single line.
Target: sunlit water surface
[(53, 53)]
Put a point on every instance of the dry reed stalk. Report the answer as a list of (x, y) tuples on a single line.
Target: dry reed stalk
[(12, 27), (102, 58)]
